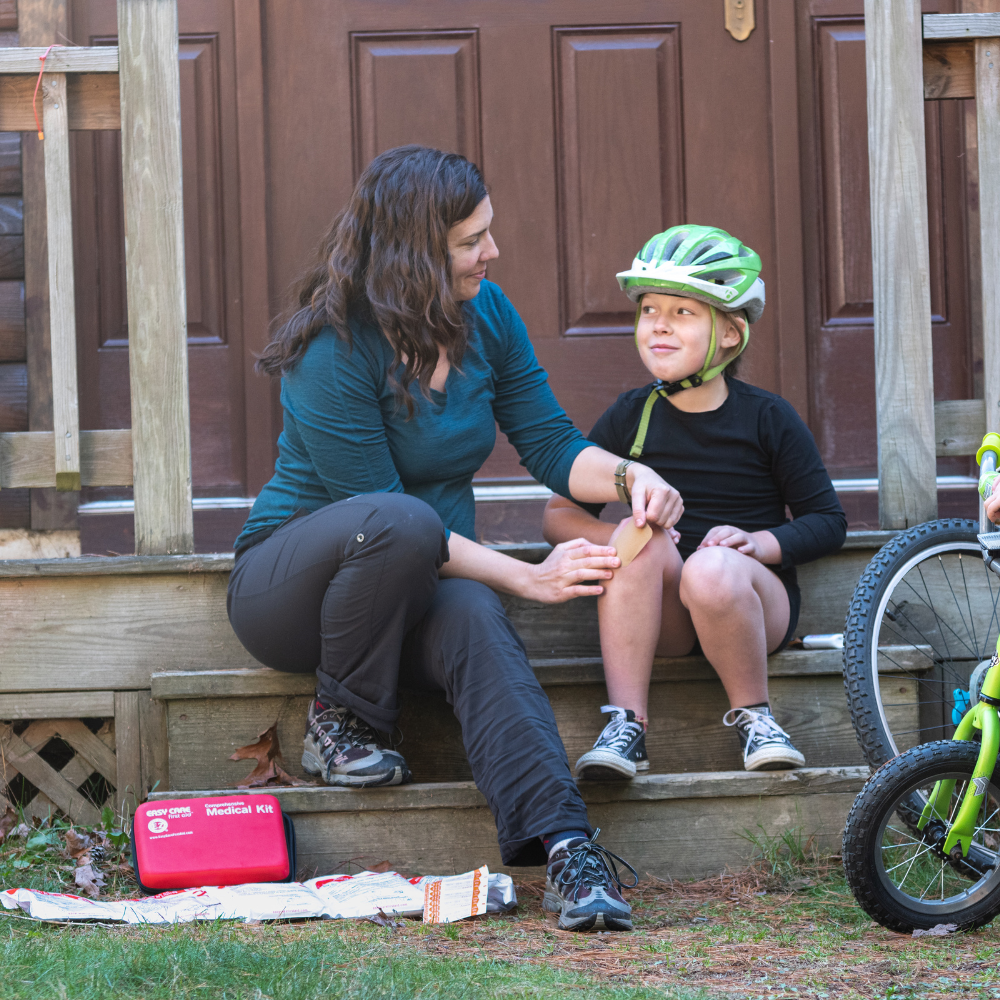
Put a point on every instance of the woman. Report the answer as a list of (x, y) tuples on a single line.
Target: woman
[(358, 559)]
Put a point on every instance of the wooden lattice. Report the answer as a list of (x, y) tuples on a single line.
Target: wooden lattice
[(59, 791)]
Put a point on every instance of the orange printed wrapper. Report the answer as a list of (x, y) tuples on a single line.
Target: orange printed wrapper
[(456, 897)]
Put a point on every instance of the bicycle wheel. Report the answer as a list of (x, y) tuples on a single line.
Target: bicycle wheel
[(897, 872), (924, 615)]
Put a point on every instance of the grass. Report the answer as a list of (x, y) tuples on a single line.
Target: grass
[(786, 927)]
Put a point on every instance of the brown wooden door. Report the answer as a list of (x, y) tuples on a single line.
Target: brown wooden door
[(595, 125), (838, 272), (592, 137)]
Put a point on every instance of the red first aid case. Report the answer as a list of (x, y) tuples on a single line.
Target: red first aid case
[(225, 840)]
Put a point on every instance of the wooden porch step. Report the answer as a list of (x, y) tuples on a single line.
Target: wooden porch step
[(668, 825), (209, 714), (107, 624)]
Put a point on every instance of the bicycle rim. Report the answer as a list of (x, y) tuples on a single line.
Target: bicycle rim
[(937, 619), (909, 863)]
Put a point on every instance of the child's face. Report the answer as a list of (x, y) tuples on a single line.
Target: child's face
[(673, 335)]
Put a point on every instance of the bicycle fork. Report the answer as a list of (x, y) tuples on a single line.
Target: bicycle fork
[(982, 716)]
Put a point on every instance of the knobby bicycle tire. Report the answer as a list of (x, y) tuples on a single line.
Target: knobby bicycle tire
[(863, 840), (861, 628)]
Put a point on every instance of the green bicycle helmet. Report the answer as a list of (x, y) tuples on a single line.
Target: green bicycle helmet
[(698, 262), (703, 263)]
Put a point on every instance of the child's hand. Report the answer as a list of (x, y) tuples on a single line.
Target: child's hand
[(759, 545), (993, 504)]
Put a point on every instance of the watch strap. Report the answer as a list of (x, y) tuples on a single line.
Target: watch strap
[(620, 484)]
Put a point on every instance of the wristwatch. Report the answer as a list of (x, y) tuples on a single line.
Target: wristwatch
[(623, 493)]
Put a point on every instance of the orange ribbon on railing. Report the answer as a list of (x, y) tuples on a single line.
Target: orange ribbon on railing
[(38, 83)]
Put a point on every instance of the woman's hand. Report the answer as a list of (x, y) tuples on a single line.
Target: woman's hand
[(653, 499), (560, 578), (759, 545)]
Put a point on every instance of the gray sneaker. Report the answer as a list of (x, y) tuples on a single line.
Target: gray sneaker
[(766, 746), (344, 750), (582, 886)]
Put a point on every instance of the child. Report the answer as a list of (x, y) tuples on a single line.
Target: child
[(738, 455)]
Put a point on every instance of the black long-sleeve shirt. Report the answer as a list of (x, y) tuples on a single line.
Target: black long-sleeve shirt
[(740, 464)]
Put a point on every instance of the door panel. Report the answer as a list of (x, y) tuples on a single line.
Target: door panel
[(415, 88), (620, 150)]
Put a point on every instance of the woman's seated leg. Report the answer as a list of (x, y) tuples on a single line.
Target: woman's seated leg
[(466, 646), (640, 614), (336, 591), (740, 611)]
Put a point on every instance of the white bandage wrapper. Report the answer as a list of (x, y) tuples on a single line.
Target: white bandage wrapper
[(365, 894)]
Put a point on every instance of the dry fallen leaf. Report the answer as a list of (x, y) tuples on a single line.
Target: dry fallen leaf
[(381, 920), (380, 869), (88, 880), (270, 764), (8, 820), (77, 844)]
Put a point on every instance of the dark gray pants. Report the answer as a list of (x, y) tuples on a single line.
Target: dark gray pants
[(352, 592)]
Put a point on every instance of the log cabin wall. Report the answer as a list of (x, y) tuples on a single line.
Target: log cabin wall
[(591, 136)]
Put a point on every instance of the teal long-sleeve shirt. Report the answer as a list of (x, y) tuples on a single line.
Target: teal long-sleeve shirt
[(344, 433)]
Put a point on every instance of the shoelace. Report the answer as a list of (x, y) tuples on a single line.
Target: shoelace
[(757, 724), (340, 726), (619, 732), (344, 728), (591, 864)]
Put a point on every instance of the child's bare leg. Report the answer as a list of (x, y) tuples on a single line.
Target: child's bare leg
[(638, 605), (740, 610)]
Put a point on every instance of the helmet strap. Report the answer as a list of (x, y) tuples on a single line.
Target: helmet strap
[(661, 388), (708, 370)]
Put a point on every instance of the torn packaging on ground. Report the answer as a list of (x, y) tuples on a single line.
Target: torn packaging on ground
[(330, 896)]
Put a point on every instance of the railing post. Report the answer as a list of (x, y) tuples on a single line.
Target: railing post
[(988, 129), (154, 268), (62, 297), (904, 377)]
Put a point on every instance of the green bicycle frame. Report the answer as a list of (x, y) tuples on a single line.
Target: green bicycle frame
[(982, 716)]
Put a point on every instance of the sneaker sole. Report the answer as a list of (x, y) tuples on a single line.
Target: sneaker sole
[(551, 903), (604, 765), (398, 776), (771, 760)]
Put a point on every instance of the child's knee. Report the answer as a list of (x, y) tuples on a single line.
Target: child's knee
[(713, 575)]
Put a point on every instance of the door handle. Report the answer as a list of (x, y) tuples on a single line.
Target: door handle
[(739, 18)]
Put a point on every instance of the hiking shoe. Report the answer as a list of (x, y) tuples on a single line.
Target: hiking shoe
[(582, 886), (766, 746), (344, 750), (620, 750)]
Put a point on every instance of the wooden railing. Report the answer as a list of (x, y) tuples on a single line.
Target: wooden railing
[(135, 87)]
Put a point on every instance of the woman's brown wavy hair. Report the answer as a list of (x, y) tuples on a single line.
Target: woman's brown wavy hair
[(385, 260)]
